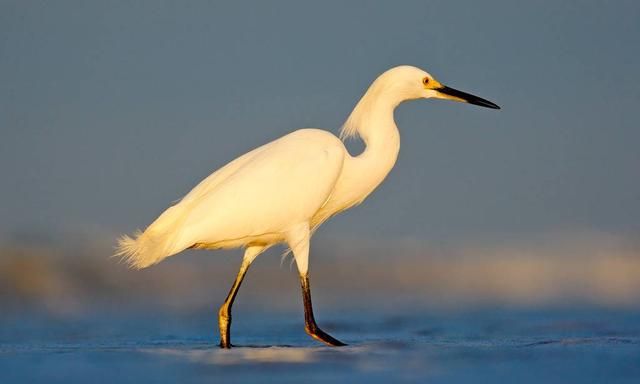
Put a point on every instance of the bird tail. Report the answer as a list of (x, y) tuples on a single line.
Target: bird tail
[(142, 250), (160, 240)]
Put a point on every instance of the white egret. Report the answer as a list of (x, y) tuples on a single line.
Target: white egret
[(282, 191)]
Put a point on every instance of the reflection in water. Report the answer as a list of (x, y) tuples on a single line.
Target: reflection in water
[(244, 355), (366, 357)]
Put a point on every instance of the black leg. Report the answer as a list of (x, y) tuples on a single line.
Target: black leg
[(309, 321), (224, 315)]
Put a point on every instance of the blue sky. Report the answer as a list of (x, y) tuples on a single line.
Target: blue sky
[(111, 110)]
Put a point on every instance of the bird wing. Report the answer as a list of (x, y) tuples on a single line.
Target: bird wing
[(278, 185), (220, 175)]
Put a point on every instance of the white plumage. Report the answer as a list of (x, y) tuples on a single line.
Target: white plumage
[(253, 201), (283, 190)]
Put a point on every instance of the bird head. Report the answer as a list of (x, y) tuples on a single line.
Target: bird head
[(408, 83)]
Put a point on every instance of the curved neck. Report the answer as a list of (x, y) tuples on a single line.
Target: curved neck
[(380, 135), (372, 120)]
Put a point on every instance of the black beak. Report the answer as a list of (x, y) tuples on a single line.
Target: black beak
[(468, 98)]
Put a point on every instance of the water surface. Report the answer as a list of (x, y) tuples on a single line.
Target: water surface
[(578, 345)]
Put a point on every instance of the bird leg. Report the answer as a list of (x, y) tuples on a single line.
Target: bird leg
[(224, 314), (310, 325)]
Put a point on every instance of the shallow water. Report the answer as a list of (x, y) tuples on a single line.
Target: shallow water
[(580, 345)]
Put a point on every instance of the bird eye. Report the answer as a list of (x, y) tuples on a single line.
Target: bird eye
[(425, 81)]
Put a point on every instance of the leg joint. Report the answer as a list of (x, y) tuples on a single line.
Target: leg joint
[(224, 313)]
